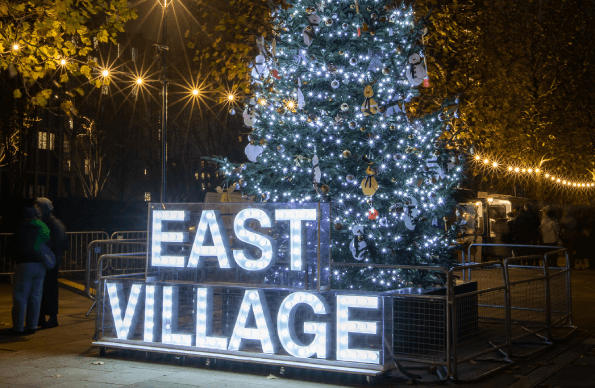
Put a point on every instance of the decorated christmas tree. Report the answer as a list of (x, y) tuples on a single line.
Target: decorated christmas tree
[(330, 122)]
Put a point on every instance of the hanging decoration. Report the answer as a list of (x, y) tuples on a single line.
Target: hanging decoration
[(416, 73), (369, 106), (358, 246), (369, 185)]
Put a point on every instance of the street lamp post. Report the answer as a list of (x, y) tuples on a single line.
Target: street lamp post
[(164, 48)]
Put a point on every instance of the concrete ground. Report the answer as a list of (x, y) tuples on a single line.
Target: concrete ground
[(64, 357)]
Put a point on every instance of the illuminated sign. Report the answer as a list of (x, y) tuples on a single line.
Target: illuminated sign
[(245, 280), (287, 336)]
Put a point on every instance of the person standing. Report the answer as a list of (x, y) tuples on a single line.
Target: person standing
[(567, 234), (526, 232), (58, 244), (30, 273), (550, 235)]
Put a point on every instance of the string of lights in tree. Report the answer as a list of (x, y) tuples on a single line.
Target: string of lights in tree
[(494, 166), (329, 119)]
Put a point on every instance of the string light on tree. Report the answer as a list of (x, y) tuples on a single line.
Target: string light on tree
[(330, 122)]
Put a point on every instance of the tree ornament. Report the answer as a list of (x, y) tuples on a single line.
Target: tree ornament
[(344, 107), (344, 26), (392, 127), (300, 95), (369, 185), (335, 84), (265, 197), (310, 10), (243, 166), (281, 148), (374, 15), (316, 173), (328, 22), (325, 189), (369, 106), (339, 119), (372, 214), (386, 71), (250, 115), (232, 111), (415, 71), (362, 129), (347, 154), (253, 152), (352, 124), (338, 226), (242, 183), (358, 246), (383, 221), (353, 61), (350, 178)]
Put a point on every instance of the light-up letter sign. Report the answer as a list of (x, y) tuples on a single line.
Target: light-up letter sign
[(152, 304), (253, 299), (169, 319), (286, 326), (345, 326), (204, 321), (263, 242), (158, 237), (124, 327), (210, 220), (296, 217)]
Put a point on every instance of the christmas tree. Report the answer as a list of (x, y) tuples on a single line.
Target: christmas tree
[(330, 122)]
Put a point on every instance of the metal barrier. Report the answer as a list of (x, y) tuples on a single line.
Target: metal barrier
[(129, 235), (98, 248), (73, 259), (6, 266)]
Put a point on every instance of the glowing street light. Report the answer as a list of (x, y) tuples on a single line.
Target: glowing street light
[(63, 61), (105, 72), (139, 81), (195, 92), (15, 46)]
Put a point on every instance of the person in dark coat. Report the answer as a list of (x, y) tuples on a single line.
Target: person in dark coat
[(526, 229), (30, 273), (58, 244)]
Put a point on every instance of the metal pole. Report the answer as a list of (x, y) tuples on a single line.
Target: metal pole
[(164, 49)]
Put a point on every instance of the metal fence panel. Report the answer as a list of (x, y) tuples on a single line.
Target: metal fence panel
[(129, 235)]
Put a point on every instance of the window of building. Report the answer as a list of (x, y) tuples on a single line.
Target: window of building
[(44, 140), (87, 163), (147, 196), (118, 48), (202, 164), (67, 165), (196, 175), (104, 89), (203, 186)]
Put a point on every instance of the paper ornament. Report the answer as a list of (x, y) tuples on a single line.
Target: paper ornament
[(316, 173), (253, 152), (369, 106), (369, 185), (358, 246), (416, 71), (250, 116), (413, 212)]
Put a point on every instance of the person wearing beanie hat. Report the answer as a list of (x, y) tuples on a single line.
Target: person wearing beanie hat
[(58, 244), (27, 290)]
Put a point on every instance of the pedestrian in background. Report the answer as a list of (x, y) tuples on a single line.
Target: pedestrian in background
[(567, 234), (27, 291), (526, 232), (584, 250), (550, 234), (58, 244)]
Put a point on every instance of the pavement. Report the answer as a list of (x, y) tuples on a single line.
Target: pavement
[(64, 357)]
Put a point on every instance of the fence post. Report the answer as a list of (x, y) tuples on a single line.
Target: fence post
[(548, 302), (451, 324), (507, 307)]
